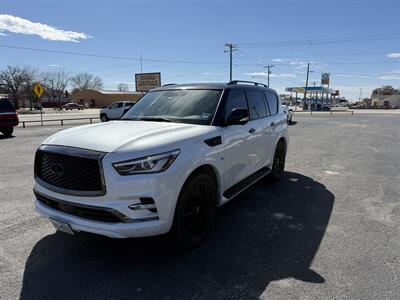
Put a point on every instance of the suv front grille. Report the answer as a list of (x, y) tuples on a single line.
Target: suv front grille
[(67, 172)]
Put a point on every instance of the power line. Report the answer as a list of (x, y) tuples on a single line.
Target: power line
[(309, 42), (109, 56)]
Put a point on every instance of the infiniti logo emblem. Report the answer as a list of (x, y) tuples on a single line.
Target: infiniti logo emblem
[(56, 170)]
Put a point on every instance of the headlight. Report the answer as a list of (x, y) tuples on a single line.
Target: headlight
[(150, 164)]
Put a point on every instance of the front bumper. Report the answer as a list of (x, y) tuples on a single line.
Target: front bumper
[(113, 230)]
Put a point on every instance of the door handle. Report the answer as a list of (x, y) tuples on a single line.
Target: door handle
[(273, 123), (252, 130)]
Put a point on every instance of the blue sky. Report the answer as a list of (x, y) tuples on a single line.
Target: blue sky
[(357, 41)]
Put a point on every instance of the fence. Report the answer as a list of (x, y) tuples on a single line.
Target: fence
[(58, 120)]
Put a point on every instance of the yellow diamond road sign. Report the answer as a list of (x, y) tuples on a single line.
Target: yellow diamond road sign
[(38, 89)]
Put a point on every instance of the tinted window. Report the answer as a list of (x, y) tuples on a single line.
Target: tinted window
[(6, 105), (186, 106), (272, 102), (236, 99), (256, 104), (120, 105)]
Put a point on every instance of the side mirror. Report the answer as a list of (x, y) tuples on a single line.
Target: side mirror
[(238, 116)]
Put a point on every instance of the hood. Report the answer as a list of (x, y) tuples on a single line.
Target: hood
[(125, 135)]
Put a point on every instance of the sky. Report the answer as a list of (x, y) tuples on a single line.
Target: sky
[(356, 41)]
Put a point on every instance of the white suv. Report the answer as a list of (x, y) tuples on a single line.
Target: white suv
[(115, 111), (178, 154)]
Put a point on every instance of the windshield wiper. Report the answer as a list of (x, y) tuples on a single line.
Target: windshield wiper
[(156, 119)]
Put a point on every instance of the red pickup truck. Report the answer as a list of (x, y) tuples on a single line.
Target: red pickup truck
[(8, 117)]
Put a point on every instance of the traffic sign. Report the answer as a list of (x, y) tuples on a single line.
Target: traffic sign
[(38, 89)]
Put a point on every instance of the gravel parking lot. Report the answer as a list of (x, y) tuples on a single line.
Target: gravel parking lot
[(329, 229)]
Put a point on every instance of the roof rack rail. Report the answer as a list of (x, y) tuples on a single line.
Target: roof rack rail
[(169, 84), (244, 81)]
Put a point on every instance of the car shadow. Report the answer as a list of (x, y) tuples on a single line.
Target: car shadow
[(3, 137), (271, 231), (292, 123)]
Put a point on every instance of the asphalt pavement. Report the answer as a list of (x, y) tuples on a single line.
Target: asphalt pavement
[(330, 229)]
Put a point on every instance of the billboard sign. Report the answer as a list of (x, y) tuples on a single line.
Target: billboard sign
[(325, 78), (147, 81)]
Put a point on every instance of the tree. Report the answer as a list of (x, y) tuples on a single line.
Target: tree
[(86, 81), (56, 82), (123, 87), (13, 79), (386, 90)]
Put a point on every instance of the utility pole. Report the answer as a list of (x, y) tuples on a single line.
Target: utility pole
[(305, 90), (231, 48), (269, 71)]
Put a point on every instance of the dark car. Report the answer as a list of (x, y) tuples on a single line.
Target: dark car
[(8, 117), (72, 106)]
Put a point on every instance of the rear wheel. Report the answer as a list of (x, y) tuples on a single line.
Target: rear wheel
[(103, 118), (7, 131), (195, 211), (278, 166)]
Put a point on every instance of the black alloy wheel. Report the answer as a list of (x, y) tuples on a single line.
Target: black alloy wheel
[(278, 166), (195, 211), (7, 131)]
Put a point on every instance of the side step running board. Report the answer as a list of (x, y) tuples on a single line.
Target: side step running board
[(245, 183)]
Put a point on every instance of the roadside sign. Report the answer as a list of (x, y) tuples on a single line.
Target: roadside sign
[(325, 78), (147, 81), (38, 89)]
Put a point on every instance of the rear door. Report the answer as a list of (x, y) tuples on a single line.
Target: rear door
[(259, 137), (276, 122)]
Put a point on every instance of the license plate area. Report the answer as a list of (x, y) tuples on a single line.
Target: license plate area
[(62, 226)]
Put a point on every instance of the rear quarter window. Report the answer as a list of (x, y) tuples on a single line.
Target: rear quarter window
[(273, 102)]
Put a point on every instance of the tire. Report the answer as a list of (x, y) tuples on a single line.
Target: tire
[(7, 131), (103, 118), (278, 166), (195, 211)]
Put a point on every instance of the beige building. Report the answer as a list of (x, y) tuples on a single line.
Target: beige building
[(392, 101), (101, 98)]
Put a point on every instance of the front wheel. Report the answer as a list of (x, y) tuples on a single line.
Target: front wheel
[(195, 211), (278, 166), (103, 118)]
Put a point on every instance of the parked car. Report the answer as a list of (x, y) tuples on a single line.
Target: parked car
[(177, 155), (72, 106), (115, 111), (8, 117), (289, 112)]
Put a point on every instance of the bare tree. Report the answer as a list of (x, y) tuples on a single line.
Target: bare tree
[(123, 87), (86, 81), (56, 82), (13, 79)]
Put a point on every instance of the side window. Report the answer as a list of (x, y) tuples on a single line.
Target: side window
[(236, 99), (120, 105), (256, 104), (115, 105), (272, 102)]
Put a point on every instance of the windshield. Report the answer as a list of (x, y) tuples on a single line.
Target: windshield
[(185, 106)]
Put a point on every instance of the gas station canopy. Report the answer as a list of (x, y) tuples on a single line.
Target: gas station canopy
[(310, 89)]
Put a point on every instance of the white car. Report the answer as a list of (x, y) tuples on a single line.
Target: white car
[(115, 111), (288, 112), (178, 154)]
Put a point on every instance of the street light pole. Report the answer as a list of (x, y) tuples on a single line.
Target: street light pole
[(305, 90)]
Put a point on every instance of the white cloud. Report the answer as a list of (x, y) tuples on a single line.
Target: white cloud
[(393, 55), (389, 77), (277, 60), (54, 65), (272, 75), (46, 32)]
